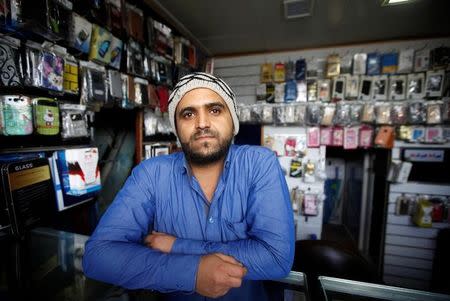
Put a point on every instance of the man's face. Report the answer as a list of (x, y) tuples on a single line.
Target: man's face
[(204, 126)]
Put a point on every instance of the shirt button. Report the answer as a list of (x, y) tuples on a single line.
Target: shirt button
[(211, 220)]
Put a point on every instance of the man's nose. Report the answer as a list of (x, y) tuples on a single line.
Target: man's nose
[(203, 120)]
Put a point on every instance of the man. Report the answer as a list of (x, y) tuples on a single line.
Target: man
[(202, 222)]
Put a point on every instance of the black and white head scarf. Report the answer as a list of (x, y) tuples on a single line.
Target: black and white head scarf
[(203, 80)]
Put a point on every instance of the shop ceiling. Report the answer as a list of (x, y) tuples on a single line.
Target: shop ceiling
[(231, 27)]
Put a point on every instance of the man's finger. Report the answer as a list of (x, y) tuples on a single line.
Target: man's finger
[(233, 282), (234, 270)]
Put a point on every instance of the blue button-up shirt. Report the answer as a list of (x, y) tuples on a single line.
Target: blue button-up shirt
[(249, 218)]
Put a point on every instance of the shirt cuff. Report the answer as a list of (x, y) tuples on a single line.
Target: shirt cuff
[(188, 247), (184, 277)]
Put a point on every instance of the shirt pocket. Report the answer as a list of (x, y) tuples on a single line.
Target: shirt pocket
[(234, 230)]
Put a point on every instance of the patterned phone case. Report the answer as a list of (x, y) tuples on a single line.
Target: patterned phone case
[(17, 115), (46, 116)]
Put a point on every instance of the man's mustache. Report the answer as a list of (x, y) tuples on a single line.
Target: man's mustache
[(204, 132)]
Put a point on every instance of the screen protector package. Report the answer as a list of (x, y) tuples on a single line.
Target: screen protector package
[(416, 86), (10, 69), (80, 33), (17, 115)]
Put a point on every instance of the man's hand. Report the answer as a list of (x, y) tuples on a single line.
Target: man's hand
[(217, 274), (160, 241)]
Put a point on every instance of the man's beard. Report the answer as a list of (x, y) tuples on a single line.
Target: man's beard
[(213, 154)]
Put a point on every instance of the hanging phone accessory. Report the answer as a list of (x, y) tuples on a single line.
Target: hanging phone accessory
[(46, 116), (380, 87), (10, 69), (339, 88), (80, 33), (435, 83), (71, 73), (365, 88), (74, 122), (17, 115), (359, 63), (351, 86), (416, 86), (397, 87)]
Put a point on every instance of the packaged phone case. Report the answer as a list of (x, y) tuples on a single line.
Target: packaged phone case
[(352, 87), (10, 70), (333, 65), (114, 85), (100, 45), (323, 87), (397, 87), (46, 116), (245, 114), (435, 83), (289, 70), (359, 63), (405, 61), (416, 86), (338, 136), (418, 134), (365, 136), (356, 110), (421, 60), (33, 64), (80, 32), (135, 59), (380, 87), (417, 113), (17, 115), (368, 113), (385, 137), (404, 132), (300, 113), (302, 95), (313, 137), (326, 136), (328, 114), (373, 63), (342, 116), (351, 137), (311, 86), (399, 113), (267, 114), (365, 88), (140, 85), (300, 69), (383, 113), (434, 112), (279, 73), (93, 79), (52, 71), (389, 63), (338, 88), (114, 15), (279, 92), (266, 73), (70, 75), (116, 52), (290, 91), (135, 24), (434, 134), (314, 113)]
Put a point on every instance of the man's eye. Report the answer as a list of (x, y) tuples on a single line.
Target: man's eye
[(215, 111), (188, 115)]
